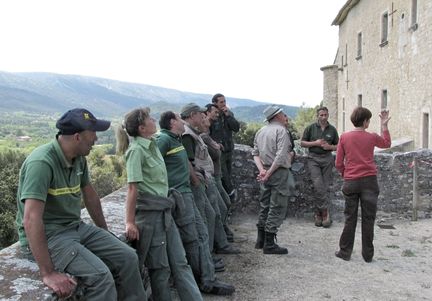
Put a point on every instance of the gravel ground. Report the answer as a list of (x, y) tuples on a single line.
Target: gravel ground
[(401, 269)]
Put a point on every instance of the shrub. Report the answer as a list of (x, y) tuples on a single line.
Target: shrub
[(10, 163)]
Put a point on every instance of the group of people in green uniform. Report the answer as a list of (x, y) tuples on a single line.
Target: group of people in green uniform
[(179, 195), (176, 208)]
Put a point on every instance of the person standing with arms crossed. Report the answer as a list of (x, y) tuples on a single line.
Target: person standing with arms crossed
[(321, 138)]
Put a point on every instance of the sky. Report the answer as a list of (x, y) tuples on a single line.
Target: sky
[(269, 51)]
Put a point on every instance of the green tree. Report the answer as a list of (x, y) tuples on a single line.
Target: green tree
[(107, 172), (247, 133), (10, 163), (305, 116)]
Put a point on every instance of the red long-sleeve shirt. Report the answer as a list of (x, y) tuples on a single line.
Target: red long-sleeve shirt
[(355, 153)]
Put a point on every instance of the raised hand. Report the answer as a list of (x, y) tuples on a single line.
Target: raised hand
[(385, 117)]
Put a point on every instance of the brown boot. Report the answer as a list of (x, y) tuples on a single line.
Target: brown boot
[(318, 219), (326, 220)]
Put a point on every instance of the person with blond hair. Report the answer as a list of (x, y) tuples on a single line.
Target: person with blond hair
[(148, 209)]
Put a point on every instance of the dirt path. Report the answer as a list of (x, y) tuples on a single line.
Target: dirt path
[(401, 269)]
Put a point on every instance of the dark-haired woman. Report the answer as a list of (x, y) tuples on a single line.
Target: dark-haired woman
[(148, 210), (355, 162)]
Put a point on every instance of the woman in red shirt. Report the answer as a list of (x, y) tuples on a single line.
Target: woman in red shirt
[(355, 162)]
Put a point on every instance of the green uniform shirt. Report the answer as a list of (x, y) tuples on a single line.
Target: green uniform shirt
[(47, 176), (313, 132), (145, 166), (176, 160)]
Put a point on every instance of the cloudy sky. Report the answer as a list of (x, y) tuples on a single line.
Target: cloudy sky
[(269, 51)]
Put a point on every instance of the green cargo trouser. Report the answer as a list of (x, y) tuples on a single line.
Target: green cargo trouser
[(206, 211), (274, 201), (200, 258), (161, 249), (184, 218), (320, 168), (220, 209), (90, 253), (223, 193)]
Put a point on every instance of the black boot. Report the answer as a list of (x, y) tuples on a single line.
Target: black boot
[(260, 238), (270, 247)]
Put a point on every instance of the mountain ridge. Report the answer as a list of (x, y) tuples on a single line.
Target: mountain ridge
[(41, 92)]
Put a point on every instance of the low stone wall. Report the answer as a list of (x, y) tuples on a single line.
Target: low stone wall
[(395, 177)]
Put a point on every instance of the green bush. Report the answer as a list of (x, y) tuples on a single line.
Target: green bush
[(247, 132), (10, 163), (107, 172)]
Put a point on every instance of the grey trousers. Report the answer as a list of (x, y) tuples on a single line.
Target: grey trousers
[(320, 168), (223, 192), (194, 235), (162, 250), (105, 266), (274, 201), (206, 211), (221, 211)]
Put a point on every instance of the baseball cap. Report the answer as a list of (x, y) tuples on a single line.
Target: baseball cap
[(78, 120), (187, 109)]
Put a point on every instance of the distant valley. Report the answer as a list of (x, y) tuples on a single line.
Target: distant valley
[(49, 93)]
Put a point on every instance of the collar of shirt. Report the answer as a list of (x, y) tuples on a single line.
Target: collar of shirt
[(144, 142), (60, 154), (171, 134), (318, 125)]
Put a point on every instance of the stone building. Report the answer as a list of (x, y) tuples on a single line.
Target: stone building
[(384, 60)]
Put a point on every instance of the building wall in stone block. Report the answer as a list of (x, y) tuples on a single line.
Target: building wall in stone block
[(400, 65)]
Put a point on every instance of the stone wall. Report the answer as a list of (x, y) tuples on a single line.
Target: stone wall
[(395, 176)]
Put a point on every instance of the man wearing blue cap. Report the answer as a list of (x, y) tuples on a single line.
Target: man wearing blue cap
[(52, 181), (270, 153)]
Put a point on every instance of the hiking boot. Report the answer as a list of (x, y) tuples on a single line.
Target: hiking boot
[(219, 266), (270, 247), (318, 219), (217, 287), (217, 259), (228, 249), (326, 220), (340, 255), (260, 238)]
